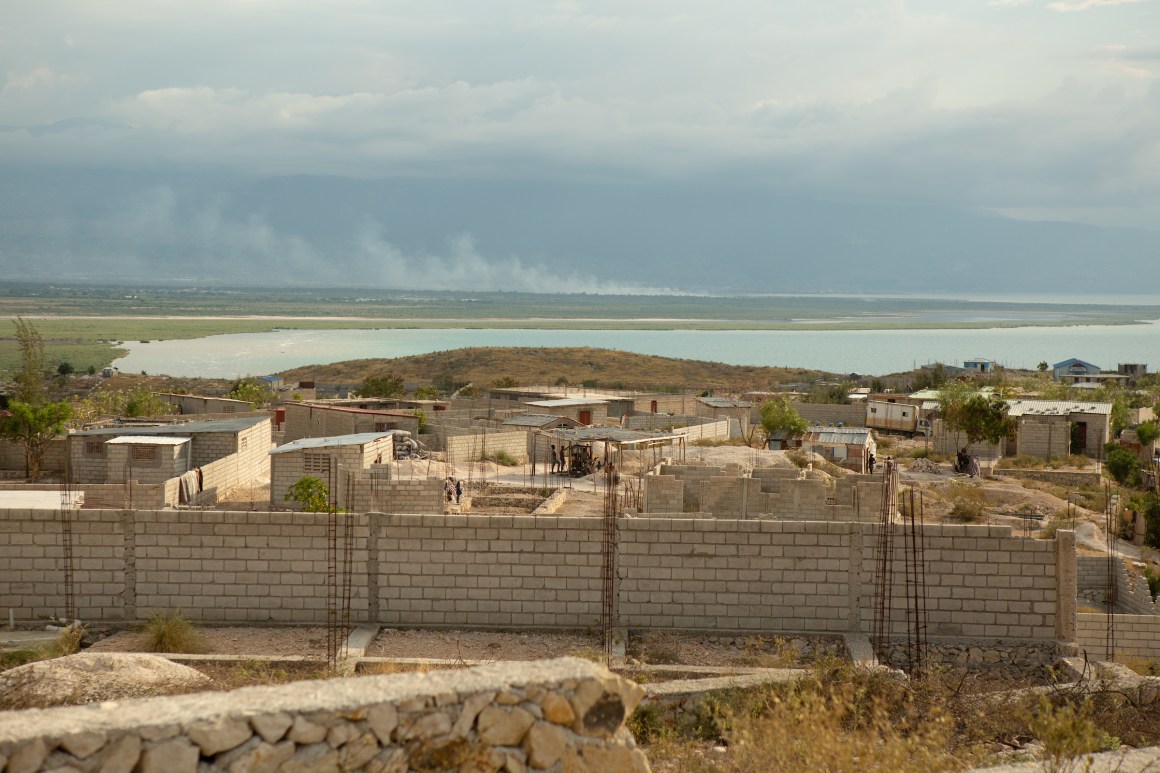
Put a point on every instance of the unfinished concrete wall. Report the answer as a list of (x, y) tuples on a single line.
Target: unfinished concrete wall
[(564, 714), (1136, 635), (373, 490), (1070, 478), (333, 465), (1044, 436), (128, 461), (328, 421), (12, 457), (663, 494), (1133, 596), (948, 443)]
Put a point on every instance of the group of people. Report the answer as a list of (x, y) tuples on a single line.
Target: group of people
[(966, 463), (453, 489)]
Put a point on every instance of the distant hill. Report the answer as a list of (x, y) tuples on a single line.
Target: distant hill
[(607, 368)]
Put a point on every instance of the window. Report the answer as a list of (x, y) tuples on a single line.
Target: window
[(243, 443), (144, 453), (316, 463), (380, 426), (873, 410), (230, 409), (94, 447)]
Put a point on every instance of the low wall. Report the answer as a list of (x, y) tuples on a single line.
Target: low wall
[(109, 495), (521, 571), (1069, 478), (512, 716), (1136, 635), (1133, 596)]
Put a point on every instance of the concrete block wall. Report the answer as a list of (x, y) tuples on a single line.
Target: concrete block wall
[(488, 571), (533, 571), (1044, 436), (12, 456), (853, 415), (691, 477), (88, 459), (372, 490), (646, 421), (346, 462), (663, 494), (1133, 596), (1136, 635), (721, 429), (468, 447), (32, 563), (167, 462), (725, 497), (675, 404), (948, 443), (240, 567), (107, 495)]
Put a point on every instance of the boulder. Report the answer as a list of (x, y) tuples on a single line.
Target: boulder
[(92, 677)]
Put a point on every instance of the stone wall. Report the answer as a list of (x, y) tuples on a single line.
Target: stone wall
[(566, 713), (1069, 478), (530, 571), (1136, 635)]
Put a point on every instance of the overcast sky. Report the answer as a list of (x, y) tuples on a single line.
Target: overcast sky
[(1034, 108)]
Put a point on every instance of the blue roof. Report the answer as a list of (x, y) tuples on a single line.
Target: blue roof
[(1075, 361)]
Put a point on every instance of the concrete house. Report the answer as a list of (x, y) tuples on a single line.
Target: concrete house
[(331, 459), (584, 410), (1049, 428), (192, 404), (847, 447), (538, 448), (304, 420), (147, 459), (93, 460), (979, 365), (730, 408)]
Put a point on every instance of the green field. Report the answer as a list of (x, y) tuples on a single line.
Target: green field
[(84, 324)]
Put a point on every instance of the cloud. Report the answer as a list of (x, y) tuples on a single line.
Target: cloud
[(1075, 6)]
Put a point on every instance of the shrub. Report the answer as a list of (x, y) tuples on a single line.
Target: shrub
[(501, 457), (967, 510), (1067, 732), (173, 632), (1153, 578), (68, 641), (1122, 464)]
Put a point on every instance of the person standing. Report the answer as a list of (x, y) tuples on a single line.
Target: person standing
[(458, 491), (555, 461)]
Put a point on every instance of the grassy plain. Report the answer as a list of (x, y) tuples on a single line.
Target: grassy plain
[(83, 324)]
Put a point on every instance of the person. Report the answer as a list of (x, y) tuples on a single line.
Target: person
[(889, 465), (447, 488), (870, 463), (613, 474), (458, 491), (555, 460)]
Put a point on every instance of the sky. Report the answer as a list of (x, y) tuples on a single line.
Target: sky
[(1032, 109)]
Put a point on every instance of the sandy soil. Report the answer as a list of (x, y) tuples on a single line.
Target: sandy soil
[(234, 641), (481, 645)]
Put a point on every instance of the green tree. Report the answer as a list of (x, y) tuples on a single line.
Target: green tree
[(34, 427), (507, 382), (779, 416), (931, 377), (979, 418), (252, 391), (310, 493), (30, 378), (1042, 366), (140, 401), (65, 368), (383, 385), (1122, 464), (427, 392), (1147, 432)]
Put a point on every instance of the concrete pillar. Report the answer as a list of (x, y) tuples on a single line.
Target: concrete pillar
[(129, 593), (854, 580), (375, 524), (1065, 585)]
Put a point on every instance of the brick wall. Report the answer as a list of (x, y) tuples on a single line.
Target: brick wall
[(1136, 635), (525, 571), (1133, 596)]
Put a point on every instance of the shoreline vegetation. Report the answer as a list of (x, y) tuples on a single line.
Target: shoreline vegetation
[(85, 325)]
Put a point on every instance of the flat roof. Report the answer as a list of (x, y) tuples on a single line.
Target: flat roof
[(353, 409), (150, 440), (334, 441), (847, 435), (535, 420), (566, 402), (1056, 407), (186, 428), (724, 402), (611, 435)]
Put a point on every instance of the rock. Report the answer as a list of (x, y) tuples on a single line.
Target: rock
[(500, 727), (220, 735), (121, 755), (605, 716), (92, 677), (389, 761), (557, 709), (176, 755), (471, 708), (340, 734), (84, 745), (271, 726), (305, 732), (619, 758), (256, 756), (382, 720), (427, 726), (358, 752), (315, 758), (28, 757), (159, 732), (545, 744)]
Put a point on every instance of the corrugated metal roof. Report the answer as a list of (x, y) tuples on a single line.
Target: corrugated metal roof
[(566, 402), (846, 435), (611, 435), (188, 428), (151, 440), (1056, 407), (535, 420), (724, 402), (335, 441)]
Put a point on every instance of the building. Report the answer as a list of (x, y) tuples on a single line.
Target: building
[(330, 459), (533, 424), (116, 454), (305, 420), (736, 411), (1049, 428), (193, 404), (847, 447), (586, 411), (979, 365), (1074, 371)]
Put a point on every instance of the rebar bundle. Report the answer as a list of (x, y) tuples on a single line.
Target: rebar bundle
[(67, 501), (1111, 522), (608, 559), (883, 567), (915, 549)]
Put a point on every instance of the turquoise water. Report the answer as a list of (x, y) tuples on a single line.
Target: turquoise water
[(839, 351)]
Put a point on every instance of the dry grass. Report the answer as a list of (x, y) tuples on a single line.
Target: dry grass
[(173, 633)]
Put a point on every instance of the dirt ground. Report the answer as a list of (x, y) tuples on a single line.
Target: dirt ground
[(481, 645), (256, 642)]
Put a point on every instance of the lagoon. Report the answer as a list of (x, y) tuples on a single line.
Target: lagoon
[(838, 351)]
